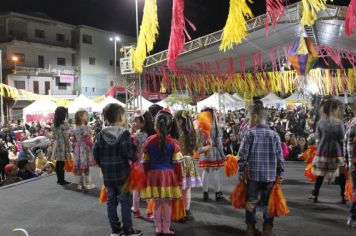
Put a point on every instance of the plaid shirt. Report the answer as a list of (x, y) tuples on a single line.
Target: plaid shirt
[(261, 154), (349, 144), (114, 159)]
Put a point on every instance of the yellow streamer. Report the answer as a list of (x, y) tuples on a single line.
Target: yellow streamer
[(235, 29), (310, 11), (148, 35)]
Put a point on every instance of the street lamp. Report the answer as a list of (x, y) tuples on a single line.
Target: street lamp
[(115, 40), (15, 59)]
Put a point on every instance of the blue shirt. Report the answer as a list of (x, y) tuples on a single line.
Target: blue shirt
[(261, 154)]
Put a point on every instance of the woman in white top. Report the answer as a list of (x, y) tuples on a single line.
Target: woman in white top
[(13, 154)]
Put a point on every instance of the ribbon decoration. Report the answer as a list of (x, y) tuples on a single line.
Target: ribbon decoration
[(235, 29), (310, 11), (147, 37), (274, 10), (350, 20)]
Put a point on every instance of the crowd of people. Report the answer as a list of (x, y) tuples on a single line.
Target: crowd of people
[(164, 145)]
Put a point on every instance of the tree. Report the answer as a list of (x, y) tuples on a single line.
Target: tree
[(178, 99)]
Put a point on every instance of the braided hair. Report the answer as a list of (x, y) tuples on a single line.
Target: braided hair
[(163, 123)]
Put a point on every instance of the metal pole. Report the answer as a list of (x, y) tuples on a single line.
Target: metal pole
[(1, 96), (115, 66), (139, 76)]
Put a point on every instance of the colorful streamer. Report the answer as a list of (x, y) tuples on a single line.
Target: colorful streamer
[(350, 20), (235, 29), (148, 35), (310, 11), (275, 10)]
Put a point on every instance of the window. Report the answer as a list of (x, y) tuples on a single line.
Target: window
[(20, 57), (111, 62), (91, 60), (20, 84), (87, 39), (93, 90), (62, 86), (36, 87), (39, 34), (111, 83), (74, 59), (40, 61), (61, 61), (60, 38)]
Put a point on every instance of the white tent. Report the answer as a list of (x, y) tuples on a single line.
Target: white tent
[(295, 98), (238, 97), (228, 100), (272, 100), (100, 106), (145, 103), (81, 103), (176, 107), (42, 109)]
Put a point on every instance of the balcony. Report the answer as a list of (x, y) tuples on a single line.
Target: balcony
[(50, 71), (24, 38)]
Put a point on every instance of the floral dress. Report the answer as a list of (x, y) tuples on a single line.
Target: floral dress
[(190, 170), (60, 151), (82, 145), (329, 155), (215, 157)]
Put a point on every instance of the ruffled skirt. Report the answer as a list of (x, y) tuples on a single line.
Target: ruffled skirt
[(190, 173), (162, 184)]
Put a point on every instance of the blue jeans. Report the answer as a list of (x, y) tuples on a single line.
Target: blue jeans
[(254, 191), (353, 205), (115, 196)]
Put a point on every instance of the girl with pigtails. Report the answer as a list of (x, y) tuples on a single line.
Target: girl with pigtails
[(162, 161), (211, 150), (188, 141)]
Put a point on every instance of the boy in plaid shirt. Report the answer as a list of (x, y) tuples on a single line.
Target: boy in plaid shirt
[(112, 152), (261, 164)]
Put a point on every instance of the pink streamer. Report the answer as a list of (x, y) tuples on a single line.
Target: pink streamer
[(274, 9), (242, 59), (350, 20)]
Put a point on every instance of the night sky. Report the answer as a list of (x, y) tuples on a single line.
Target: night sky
[(119, 15)]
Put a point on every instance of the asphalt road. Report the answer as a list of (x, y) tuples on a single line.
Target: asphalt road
[(46, 209)]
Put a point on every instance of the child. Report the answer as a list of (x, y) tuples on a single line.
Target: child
[(261, 160), (188, 142), (40, 160), (11, 175), (112, 151), (25, 170), (212, 159), (162, 164), (350, 155), (82, 146), (143, 124), (49, 167)]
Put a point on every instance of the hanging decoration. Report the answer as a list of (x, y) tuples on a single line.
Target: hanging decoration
[(302, 56), (178, 29), (235, 29), (274, 11), (310, 11), (147, 37), (350, 20)]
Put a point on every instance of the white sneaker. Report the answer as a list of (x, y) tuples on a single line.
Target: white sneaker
[(351, 223)]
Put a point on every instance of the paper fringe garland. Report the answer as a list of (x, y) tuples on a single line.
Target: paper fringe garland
[(150, 206), (231, 166), (235, 29), (239, 195), (274, 10), (310, 11), (309, 174), (350, 20), (277, 204), (137, 179), (69, 166), (148, 35)]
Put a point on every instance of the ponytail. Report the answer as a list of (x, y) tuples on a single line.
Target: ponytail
[(163, 121)]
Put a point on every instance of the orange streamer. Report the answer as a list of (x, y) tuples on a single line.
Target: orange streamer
[(239, 195), (150, 206), (103, 198), (231, 166), (137, 179), (277, 204), (69, 165), (348, 187), (178, 210), (309, 174)]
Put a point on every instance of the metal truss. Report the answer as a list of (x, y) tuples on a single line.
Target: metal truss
[(293, 15)]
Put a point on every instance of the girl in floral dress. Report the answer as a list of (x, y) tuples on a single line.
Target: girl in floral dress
[(188, 141), (82, 145)]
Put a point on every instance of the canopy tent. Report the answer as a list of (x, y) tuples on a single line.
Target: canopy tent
[(238, 97), (228, 100), (145, 103), (108, 100), (40, 110), (81, 103), (272, 100), (175, 107), (295, 98)]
